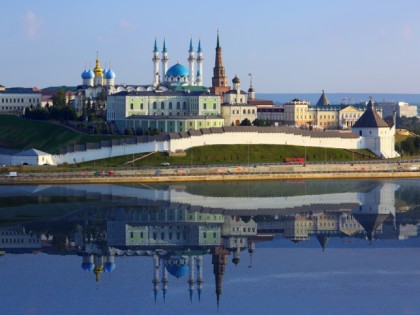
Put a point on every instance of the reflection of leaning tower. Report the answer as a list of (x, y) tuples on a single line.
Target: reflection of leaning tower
[(219, 261)]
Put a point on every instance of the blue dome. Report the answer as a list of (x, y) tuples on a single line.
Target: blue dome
[(109, 267), (178, 71), (88, 74), (84, 74), (177, 270), (88, 267), (110, 74)]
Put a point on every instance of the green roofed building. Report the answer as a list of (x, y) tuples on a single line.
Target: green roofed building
[(166, 111)]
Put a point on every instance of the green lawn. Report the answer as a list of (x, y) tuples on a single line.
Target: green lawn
[(21, 134), (214, 154)]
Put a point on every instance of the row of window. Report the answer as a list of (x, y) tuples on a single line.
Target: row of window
[(244, 111), (12, 107), (19, 100), (244, 229), (15, 240), (162, 105)]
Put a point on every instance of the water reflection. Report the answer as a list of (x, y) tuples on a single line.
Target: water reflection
[(177, 226)]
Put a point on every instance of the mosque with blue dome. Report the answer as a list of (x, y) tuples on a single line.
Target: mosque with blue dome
[(174, 101)]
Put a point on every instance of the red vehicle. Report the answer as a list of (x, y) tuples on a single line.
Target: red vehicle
[(294, 161)]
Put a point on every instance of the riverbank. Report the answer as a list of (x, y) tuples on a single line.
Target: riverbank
[(361, 170)]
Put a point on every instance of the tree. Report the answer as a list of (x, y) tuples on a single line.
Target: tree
[(59, 99), (245, 122), (261, 123)]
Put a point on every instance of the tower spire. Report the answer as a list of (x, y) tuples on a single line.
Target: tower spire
[(219, 80)]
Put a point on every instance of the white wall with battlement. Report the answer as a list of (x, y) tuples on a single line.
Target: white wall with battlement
[(210, 139)]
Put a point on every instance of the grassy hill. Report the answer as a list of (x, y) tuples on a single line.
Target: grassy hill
[(21, 134)]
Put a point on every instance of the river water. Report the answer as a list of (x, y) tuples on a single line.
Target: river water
[(269, 247)]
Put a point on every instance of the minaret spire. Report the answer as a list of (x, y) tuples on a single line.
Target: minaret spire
[(155, 60), (165, 59), (191, 280), (156, 280), (191, 60), (200, 59)]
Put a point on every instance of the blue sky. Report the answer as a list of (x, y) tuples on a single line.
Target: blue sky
[(289, 46)]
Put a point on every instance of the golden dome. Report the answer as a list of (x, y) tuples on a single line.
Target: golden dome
[(98, 70), (98, 270)]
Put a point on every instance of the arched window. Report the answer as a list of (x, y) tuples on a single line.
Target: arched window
[(178, 105), (162, 105), (170, 105), (244, 111), (184, 105), (154, 105)]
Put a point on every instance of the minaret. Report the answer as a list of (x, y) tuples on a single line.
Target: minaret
[(200, 281), (155, 60), (165, 281), (156, 280), (251, 92), (191, 60), (191, 280), (165, 60), (200, 60), (219, 80)]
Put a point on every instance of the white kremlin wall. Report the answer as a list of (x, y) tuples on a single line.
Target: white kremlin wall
[(176, 142)]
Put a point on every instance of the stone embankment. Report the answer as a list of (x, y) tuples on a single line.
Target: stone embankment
[(376, 169)]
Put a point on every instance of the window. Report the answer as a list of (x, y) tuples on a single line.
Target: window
[(162, 105), (141, 106), (184, 105), (214, 106), (178, 105), (154, 105), (170, 105), (131, 106), (244, 111), (204, 106)]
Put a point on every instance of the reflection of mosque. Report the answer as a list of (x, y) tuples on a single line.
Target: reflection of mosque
[(175, 239), (176, 230)]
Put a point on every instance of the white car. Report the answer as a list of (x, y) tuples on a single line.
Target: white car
[(165, 164)]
